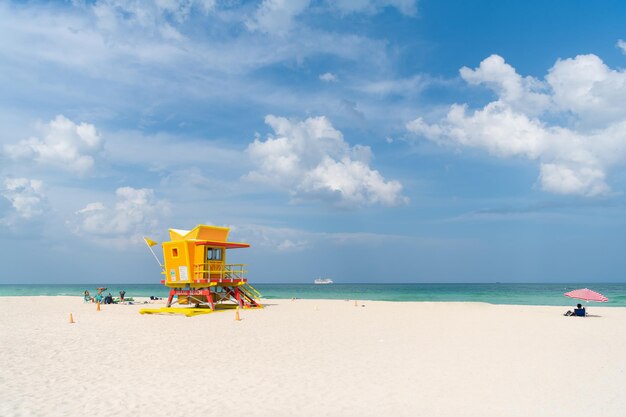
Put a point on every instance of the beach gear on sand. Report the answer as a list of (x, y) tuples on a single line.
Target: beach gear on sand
[(587, 295), (189, 312)]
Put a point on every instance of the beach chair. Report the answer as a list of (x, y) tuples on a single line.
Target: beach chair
[(580, 312)]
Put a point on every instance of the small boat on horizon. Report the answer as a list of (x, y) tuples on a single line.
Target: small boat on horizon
[(323, 281)]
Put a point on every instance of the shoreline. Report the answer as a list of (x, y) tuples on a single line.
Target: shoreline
[(511, 294), (141, 300)]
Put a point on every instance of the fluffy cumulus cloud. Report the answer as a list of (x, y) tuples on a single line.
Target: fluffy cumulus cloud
[(522, 93), (136, 213), (310, 159), (63, 144), (573, 122), (26, 197)]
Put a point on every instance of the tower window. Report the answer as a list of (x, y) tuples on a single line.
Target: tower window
[(213, 254)]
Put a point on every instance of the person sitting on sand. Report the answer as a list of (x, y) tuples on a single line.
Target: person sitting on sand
[(87, 297), (578, 311), (98, 298), (108, 299)]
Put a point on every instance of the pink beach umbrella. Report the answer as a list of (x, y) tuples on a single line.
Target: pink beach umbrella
[(587, 295)]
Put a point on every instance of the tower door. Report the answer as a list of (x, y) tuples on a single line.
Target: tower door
[(215, 262)]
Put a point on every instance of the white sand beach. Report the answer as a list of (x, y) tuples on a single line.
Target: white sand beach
[(311, 358)]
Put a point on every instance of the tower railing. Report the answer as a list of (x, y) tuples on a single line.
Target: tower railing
[(218, 271)]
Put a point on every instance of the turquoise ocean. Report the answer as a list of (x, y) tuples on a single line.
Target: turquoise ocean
[(519, 294)]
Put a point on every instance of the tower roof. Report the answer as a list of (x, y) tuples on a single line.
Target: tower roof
[(207, 235)]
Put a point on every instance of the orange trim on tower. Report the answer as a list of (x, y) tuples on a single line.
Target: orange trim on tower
[(227, 245)]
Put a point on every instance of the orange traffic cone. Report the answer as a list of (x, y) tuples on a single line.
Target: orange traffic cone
[(98, 306), (71, 319), (237, 318)]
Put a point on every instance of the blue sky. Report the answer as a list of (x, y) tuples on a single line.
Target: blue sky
[(365, 140)]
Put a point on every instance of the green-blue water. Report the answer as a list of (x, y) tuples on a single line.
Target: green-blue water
[(528, 294)]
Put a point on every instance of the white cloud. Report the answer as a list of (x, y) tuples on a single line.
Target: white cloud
[(621, 45), (402, 86), (291, 246), (563, 179), (520, 93), (328, 77), (277, 16), (573, 123), (93, 57), (590, 90), (310, 159), (496, 128), (25, 195), (136, 213), (351, 182), (64, 145)]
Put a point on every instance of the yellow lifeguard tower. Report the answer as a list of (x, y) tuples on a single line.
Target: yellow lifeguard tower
[(197, 274)]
